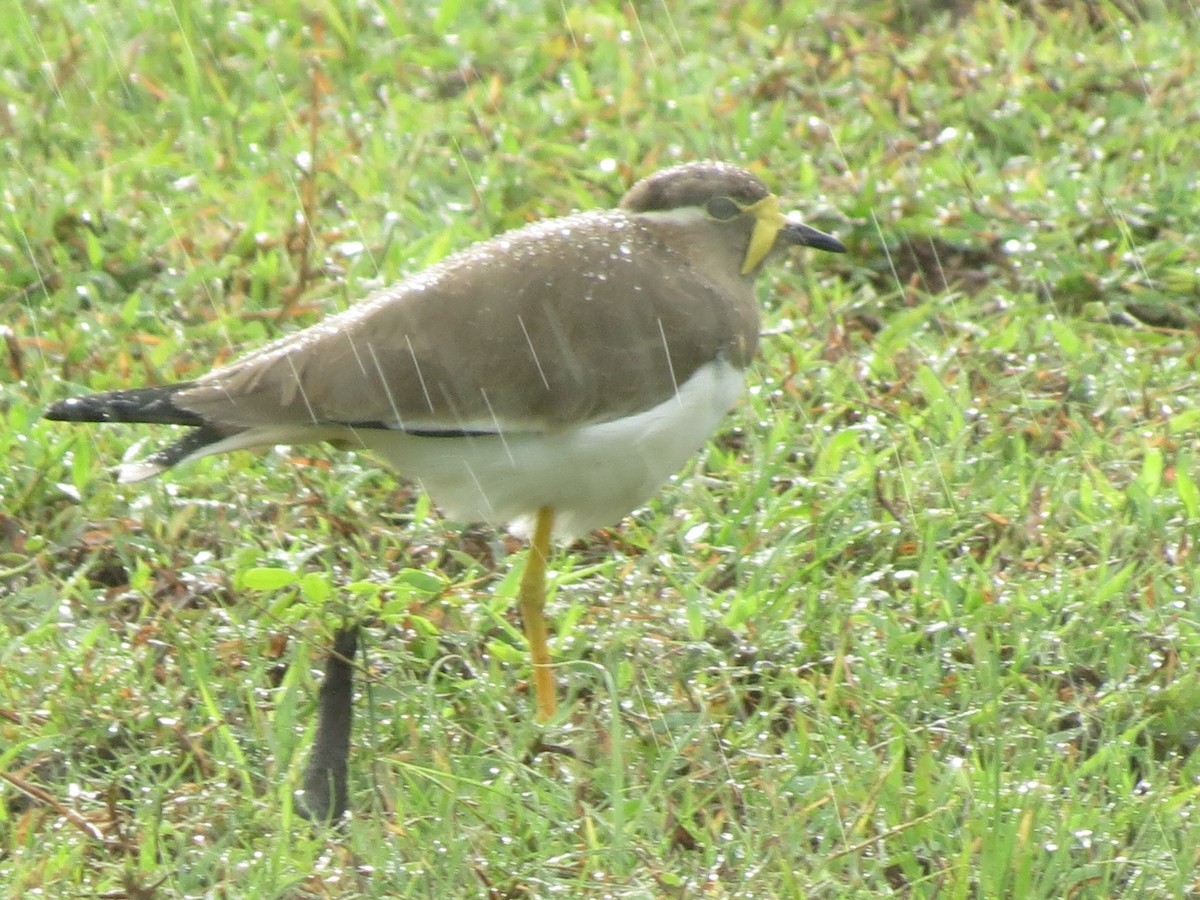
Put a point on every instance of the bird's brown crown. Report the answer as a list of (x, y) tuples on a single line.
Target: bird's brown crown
[(693, 184)]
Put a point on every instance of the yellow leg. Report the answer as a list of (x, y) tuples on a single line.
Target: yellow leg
[(533, 604)]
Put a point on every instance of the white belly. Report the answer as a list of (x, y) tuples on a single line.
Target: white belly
[(591, 476)]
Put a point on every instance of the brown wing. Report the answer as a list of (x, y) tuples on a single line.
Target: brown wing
[(532, 330)]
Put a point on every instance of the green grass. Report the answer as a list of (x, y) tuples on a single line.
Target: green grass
[(922, 619)]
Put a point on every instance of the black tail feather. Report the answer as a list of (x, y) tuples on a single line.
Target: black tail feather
[(153, 405), (191, 442)]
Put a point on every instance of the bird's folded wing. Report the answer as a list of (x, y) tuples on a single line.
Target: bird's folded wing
[(518, 333)]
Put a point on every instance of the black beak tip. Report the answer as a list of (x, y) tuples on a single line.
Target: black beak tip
[(805, 236)]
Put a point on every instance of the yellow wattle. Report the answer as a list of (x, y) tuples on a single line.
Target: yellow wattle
[(768, 221)]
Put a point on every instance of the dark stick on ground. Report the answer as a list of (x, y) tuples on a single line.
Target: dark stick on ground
[(326, 795)]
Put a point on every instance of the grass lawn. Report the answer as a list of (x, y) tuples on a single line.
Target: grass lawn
[(920, 621)]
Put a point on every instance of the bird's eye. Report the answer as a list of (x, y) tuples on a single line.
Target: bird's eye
[(722, 208)]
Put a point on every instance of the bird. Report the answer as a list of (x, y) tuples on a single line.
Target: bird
[(548, 379)]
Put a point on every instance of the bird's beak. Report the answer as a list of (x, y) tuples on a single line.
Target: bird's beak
[(801, 235), (771, 227)]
